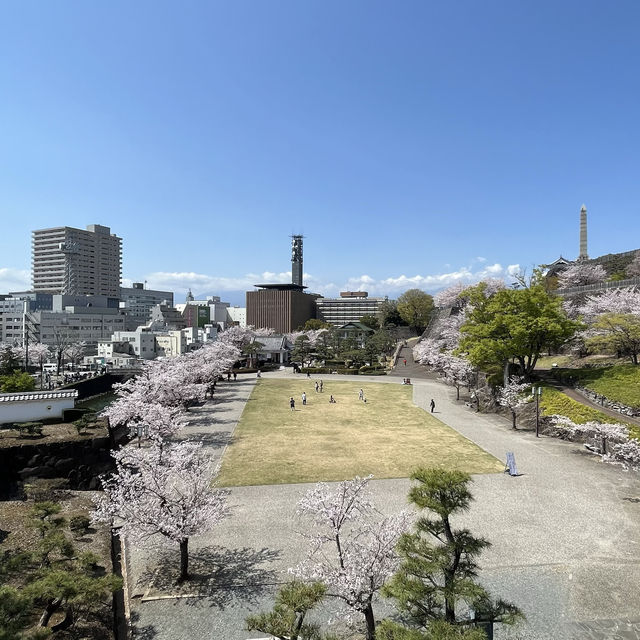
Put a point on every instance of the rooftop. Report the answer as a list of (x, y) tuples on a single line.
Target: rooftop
[(37, 395)]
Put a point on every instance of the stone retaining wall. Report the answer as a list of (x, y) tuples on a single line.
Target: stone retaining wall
[(605, 402), (78, 461)]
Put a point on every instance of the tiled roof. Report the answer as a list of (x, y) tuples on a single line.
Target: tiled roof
[(270, 343), (38, 395)]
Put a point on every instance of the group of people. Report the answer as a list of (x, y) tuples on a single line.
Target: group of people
[(292, 402)]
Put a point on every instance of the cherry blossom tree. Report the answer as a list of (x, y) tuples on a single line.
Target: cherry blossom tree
[(454, 296), (449, 330), (456, 371), (450, 297), (580, 274), (350, 552), (611, 439), (74, 351), (513, 395), (625, 301), (428, 352), (38, 353), (163, 491)]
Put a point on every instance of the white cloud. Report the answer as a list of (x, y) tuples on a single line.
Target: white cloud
[(393, 285), (14, 279)]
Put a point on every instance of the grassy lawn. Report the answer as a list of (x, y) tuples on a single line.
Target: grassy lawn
[(620, 383), (554, 402), (574, 362), (388, 436)]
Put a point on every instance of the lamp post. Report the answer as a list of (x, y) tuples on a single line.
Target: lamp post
[(537, 392)]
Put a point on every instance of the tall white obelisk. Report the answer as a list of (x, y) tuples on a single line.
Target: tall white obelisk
[(583, 234)]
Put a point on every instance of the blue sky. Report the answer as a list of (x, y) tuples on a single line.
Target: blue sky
[(413, 143)]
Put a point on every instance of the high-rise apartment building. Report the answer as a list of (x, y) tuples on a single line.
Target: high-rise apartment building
[(77, 261)]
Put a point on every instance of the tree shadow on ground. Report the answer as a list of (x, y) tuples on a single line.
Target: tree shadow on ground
[(216, 575), (147, 632), (211, 440)]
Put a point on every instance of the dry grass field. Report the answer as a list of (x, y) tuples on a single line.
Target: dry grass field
[(386, 436)]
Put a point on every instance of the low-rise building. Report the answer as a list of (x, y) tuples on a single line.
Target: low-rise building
[(166, 318), (356, 331), (274, 349)]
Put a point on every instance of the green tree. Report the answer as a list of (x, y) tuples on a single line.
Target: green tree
[(302, 349), (389, 315), (17, 382), (415, 307), (439, 563), (514, 324), (377, 344), (286, 620), (15, 608), (313, 324), (617, 332), (370, 321), (53, 575)]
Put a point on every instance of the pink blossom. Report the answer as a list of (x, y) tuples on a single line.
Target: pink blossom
[(581, 274)]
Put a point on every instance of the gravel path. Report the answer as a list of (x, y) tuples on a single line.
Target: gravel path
[(565, 535)]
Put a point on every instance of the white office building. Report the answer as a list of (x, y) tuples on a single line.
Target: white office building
[(349, 307)]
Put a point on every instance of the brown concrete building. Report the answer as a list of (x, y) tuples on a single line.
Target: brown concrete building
[(283, 307)]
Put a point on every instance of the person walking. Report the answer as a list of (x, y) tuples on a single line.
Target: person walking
[(317, 386), (432, 404), (292, 403), (304, 398), (235, 376), (360, 394), (320, 386), (405, 362)]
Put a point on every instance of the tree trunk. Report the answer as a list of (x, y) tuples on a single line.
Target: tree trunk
[(513, 415), (505, 374), (457, 392), (66, 622), (49, 610), (184, 560), (371, 622)]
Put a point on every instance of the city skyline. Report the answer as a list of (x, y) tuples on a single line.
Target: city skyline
[(414, 146)]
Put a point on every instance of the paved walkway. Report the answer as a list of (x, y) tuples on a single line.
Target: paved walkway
[(565, 535), (412, 369)]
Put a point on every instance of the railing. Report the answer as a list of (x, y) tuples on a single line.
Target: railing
[(600, 286)]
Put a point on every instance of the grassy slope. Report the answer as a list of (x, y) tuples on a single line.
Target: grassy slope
[(388, 436), (554, 402), (620, 383)]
